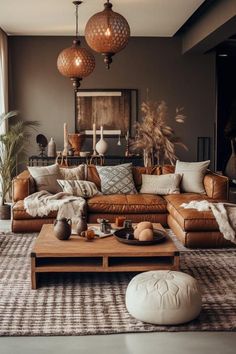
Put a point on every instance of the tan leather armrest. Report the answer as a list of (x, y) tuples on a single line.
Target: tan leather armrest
[(22, 186), (216, 186)]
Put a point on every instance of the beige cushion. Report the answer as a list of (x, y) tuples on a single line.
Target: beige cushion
[(163, 297), (75, 173), (192, 176), (46, 177), (162, 185), (79, 188)]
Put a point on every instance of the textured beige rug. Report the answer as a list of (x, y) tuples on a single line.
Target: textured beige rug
[(83, 304)]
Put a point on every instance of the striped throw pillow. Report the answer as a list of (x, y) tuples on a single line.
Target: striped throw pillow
[(79, 188)]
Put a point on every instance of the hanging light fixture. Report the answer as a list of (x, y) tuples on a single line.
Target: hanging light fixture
[(76, 62), (107, 32)]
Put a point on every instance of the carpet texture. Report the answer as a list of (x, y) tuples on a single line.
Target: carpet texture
[(82, 304)]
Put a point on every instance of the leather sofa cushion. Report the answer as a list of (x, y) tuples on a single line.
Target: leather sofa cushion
[(127, 204), (19, 212), (190, 219)]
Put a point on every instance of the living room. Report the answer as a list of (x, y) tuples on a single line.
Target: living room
[(145, 148)]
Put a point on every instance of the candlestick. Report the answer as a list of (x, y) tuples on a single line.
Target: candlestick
[(94, 139), (65, 150)]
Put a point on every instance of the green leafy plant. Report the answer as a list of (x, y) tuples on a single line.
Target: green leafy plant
[(155, 138), (12, 149)]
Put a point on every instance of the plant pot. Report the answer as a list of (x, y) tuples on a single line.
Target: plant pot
[(76, 141), (5, 212)]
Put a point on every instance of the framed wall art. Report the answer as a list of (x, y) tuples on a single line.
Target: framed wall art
[(114, 109)]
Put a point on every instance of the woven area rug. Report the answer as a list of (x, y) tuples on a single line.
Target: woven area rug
[(83, 304)]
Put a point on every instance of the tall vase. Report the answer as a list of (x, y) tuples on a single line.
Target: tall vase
[(230, 170), (102, 145)]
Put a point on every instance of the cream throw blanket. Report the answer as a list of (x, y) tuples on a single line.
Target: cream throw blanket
[(225, 214), (67, 206)]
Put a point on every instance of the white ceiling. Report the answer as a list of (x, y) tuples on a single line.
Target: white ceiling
[(160, 18)]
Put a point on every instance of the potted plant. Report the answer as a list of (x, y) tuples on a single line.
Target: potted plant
[(12, 149), (155, 138)]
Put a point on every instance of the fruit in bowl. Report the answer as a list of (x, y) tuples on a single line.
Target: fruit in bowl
[(144, 231)]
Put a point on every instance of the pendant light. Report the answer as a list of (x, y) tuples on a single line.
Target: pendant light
[(107, 32), (76, 62)]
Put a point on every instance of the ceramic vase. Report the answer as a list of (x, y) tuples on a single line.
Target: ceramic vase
[(102, 145), (51, 148), (230, 170)]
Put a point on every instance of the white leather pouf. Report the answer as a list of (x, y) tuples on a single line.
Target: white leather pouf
[(163, 297)]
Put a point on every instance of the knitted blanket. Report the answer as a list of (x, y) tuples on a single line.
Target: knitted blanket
[(225, 214), (42, 203)]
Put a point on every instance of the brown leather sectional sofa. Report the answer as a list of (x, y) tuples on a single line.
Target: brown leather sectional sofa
[(195, 229)]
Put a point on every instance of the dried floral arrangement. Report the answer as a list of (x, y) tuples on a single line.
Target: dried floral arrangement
[(155, 138)]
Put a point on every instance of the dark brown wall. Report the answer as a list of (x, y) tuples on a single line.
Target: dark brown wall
[(41, 93)]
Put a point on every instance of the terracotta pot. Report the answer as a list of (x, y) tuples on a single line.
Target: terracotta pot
[(5, 212), (76, 141)]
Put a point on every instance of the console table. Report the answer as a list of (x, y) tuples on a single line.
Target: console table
[(110, 160)]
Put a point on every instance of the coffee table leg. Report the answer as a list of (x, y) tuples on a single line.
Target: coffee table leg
[(176, 261), (33, 273)]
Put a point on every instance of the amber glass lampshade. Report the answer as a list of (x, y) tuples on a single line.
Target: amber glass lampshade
[(76, 63), (107, 32)]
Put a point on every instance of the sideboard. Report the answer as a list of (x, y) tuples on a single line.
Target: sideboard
[(110, 160)]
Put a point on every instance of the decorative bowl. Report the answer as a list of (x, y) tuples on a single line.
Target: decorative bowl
[(125, 236)]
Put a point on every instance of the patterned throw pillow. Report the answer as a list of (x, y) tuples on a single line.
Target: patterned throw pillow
[(73, 173), (117, 179), (162, 185), (46, 177), (78, 188)]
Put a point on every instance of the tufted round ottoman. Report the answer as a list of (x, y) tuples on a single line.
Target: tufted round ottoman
[(163, 297)]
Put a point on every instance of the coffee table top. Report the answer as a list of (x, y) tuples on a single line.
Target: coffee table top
[(48, 245)]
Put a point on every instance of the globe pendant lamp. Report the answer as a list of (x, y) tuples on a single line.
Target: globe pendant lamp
[(107, 32), (76, 62)]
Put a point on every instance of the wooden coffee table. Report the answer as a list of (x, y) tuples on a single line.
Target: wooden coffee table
[(50, 255)]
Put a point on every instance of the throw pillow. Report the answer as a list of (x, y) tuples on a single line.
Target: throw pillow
[(162, 185), (117, 179), (75, 173), (46, 177), (192, 175), (78, 188)]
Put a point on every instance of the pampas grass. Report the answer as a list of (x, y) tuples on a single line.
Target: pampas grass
[(155, 138)]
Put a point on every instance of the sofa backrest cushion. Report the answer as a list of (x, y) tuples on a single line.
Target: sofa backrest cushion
[(93, 176)]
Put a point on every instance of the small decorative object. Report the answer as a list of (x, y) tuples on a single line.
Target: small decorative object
[(88, 234), (94, 140), (107, 32), (81, 225), (120, 221), (42, 142), (84, 153), (127, 224), (102, 145), (62, 228), (154, 138), (127, 152), (76, 141), (105, 226), (51, 148), (76, 62), (119, 140), (71, 152)]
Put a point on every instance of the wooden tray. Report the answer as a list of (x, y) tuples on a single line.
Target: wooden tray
[(158, 236)]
